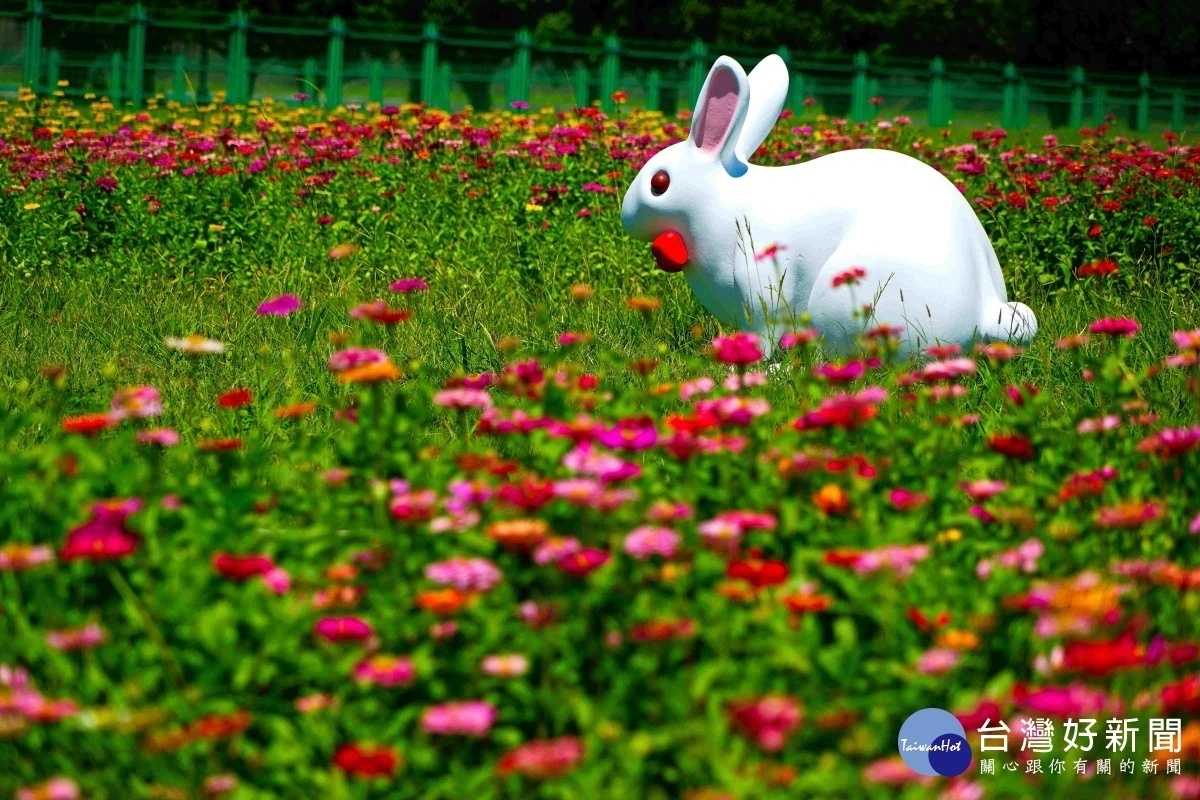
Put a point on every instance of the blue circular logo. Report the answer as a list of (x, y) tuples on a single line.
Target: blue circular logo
[(933, 742)]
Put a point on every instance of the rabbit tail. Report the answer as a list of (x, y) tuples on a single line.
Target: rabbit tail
[(1008, 322)]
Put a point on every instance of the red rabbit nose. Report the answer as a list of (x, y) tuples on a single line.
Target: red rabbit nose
[(669, 251)]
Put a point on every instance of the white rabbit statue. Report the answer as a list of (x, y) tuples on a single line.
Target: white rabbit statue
[(923, 259)]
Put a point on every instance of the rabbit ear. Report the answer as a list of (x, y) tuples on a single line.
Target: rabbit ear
[(768, 92), (720, 111)]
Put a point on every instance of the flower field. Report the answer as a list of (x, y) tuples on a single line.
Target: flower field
[(359, 454)]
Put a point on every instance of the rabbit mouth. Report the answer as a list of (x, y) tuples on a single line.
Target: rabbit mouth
[(669, 251)]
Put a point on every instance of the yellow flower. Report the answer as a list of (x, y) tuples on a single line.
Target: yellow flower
[(215, 228), (32, 206), (532, 207)]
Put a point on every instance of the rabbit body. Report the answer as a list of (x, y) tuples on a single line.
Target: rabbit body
[(926, 262)]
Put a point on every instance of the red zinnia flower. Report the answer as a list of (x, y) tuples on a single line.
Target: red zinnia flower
[(241, 568), (758, 572), (1013, 445), (235, 398), (366, 761), (87, 424)]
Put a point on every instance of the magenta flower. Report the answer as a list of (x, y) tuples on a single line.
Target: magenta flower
[(470, 718), (630, 434), (737, 349), (280, 306), (104, 536), (344, 629), (1116, 326), (409, 285), (584, 562)]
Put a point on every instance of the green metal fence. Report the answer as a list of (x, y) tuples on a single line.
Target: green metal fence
[(195, 58)]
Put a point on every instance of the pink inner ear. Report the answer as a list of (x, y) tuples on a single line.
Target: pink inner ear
[(716, 116)]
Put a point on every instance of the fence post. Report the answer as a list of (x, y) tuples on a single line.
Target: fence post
[(1008, 106), (179, 79), (114, 78), (611, 71), (1177, 119), (698, 70), (582, 86), (860, 109), (31, 71), (518, 75), (333, 68), (53, 61), (375, 82), (1099, 104), (235, 63), (429, 57), (936, 112), (310, 77), (135, 66), (1075, 115), (1022, 105), (443, 88), (1142, 122), (653, 85)]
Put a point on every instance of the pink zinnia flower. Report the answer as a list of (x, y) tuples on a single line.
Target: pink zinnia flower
[(649, 540), (352, 357), (510, 665), (388, 671), (53, 789), (465, 574), (280, 306), (937, 661), (70, 639), (163, 437), (141, 402), (469, 718), (768, 720), (542, 758)]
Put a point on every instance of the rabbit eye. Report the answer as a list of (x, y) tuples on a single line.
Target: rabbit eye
[(660, 183)]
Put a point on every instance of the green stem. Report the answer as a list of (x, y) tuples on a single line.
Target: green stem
[(126, 591)]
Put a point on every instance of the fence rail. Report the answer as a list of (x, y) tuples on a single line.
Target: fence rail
[(198, 57)]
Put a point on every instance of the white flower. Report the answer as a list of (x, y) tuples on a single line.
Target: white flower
[(195, 345)]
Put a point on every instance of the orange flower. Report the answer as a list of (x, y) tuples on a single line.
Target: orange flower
[(519, 534), (803, 603), (958, 640), (442, 601), (370, 373), (832, 499), (646, 305), (219, 445), (295, 410)]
